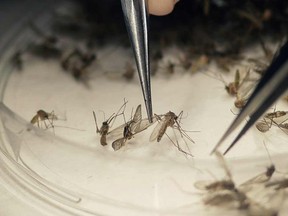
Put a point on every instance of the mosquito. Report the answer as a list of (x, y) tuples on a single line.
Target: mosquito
[(129, 72), (43, 116), (77, 62), (104, 129), (283, 125), (276, 114), (132, 127), (263, 125), (262, 177), (234, 197), (223, 192), (232, 88), (225, 184), (47, 48), (243, 96), (169, 119)]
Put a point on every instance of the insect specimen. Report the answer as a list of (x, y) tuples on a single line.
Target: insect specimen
[(243, 95), (283, 125), (262, 177), (76, 62), (263, 126), (233, 87), (259, 179), (132, 127), (43, 116), (268, 120), (170, 119), (226, 184), (223, 192), (47, 47), (129, 71), (275, 114), (234, 198), (170, 67), (104, 129), (198, 64), (240, 102)]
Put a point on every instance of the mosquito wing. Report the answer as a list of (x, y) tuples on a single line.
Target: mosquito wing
[(144, 124), (117, 132), (136, 119), (223, 198), (202, 185), (262, 126), (261, 178), (223, 164), (155, 133), (119, 143)]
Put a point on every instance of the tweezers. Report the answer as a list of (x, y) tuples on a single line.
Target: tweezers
[(270, 87), (136, 19)]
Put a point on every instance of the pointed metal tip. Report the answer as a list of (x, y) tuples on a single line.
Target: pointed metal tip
[(148, 105), (136, 19), (215, 148)]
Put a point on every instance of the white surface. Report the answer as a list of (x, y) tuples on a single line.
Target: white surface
[(142, 178)]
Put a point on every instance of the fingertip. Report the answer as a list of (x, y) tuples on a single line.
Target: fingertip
[(161, 7)]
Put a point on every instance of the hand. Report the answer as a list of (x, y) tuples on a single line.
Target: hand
[(161, 7)]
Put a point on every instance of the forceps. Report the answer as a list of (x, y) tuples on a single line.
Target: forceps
[(271, 86), (136, 19)]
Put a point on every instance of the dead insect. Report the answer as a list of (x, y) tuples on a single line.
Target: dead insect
[(170, 67), (223, 192), (268, 120), (258, 66), (256, 18), (260, 178), (76, 63), (240, 102), (129, 71), (234, 198), (226, 184), (199, 63), (132, 127), (104, 130), (170, 119), (232, 87), (263, 126), (47, 47), (276, 114), (43, 116), (215, 186), (283, 125), (243, 96)]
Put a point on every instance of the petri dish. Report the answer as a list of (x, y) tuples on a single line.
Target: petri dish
[(65, 171)]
